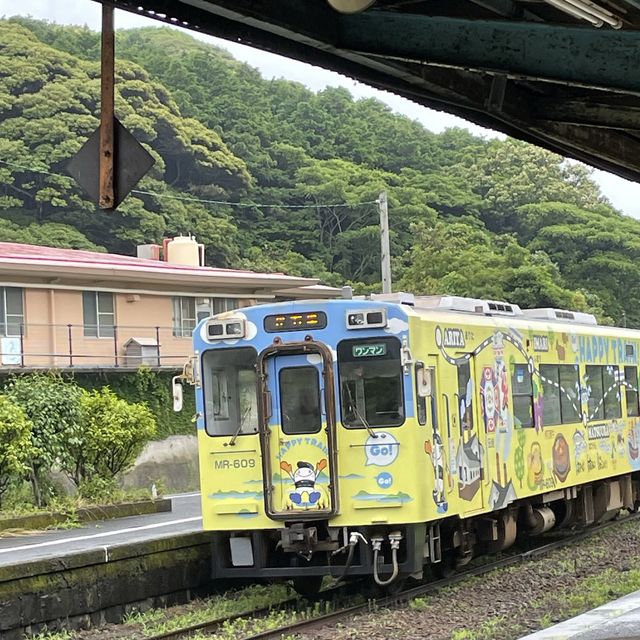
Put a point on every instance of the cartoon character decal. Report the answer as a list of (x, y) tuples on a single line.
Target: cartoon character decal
[(436, 453), (579, 451), (470, 468), (305, 495), (535, 464), (561, 458), (633, 444)]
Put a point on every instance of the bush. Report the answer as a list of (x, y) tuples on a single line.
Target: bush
[(53, 407), (153, 388), (115, 431), (15, 442)]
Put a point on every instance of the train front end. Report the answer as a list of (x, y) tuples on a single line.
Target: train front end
[(307, 460)]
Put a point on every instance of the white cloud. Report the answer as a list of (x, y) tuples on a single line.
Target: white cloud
[(396, 326)]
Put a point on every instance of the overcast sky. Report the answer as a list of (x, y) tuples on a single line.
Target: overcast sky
[(623, 194)]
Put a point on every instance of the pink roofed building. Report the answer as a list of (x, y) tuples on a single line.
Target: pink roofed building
[(72, 309)]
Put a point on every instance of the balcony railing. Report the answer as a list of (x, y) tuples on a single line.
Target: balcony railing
[(76, 346)]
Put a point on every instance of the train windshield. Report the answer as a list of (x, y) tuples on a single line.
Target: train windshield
[(371, 383), (230, 391)]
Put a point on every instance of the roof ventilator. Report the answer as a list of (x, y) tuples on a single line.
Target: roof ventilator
[(468, 305), (560, 315)]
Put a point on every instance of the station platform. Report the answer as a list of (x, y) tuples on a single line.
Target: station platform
[(184, 518), (616, 620)]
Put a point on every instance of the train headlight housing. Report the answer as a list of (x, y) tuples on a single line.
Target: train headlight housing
[(230, 329), (367, 319)]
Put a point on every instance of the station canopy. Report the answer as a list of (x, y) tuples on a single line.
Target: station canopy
[(563, 74)]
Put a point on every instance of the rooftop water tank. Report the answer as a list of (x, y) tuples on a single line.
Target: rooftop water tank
[(183, 250)]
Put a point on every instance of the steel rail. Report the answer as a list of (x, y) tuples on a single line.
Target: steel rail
[(409, 594), (386, 601), (216, 623)]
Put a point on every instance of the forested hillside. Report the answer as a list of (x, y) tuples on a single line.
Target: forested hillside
[(469, 216)]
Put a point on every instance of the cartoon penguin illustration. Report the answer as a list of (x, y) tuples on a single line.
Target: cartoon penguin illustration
[(305, 493), (436, 453)]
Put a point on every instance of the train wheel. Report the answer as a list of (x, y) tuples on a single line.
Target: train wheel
[(308, 586)]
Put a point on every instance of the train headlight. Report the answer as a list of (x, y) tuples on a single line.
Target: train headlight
[(230, 329), (365, 319)]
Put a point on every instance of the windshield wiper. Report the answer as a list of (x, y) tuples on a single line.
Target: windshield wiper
[(354, 406), (239, 429)]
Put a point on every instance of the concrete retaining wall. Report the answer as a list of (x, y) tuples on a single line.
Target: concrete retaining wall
[(172, 462), (90, 588)]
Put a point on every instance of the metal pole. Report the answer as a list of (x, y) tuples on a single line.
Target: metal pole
[(115, 345), (69, 330), (385, 253), (158, 344), (107, 196), (22, 345)]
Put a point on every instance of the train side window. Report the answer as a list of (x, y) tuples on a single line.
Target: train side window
[(421, 400), (561, 397), (596, 392), (604, 399), (611, 386), (465, 397), (631, 391), (300, 400), (551, 408), (570, 393), (426, 403), (522, 390)]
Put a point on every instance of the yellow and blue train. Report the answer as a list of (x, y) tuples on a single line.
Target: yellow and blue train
[(375, 437)]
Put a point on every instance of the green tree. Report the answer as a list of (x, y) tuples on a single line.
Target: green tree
[(52, 406), (15, 443), (114, 433)]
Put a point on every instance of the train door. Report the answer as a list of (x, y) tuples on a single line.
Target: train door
[(298, 433), (432, 412), (467, 437)]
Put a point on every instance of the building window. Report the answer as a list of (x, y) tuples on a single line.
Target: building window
[(604, 397), (187, 312), (631, 391), (522, 395), (98, 314), (11, 311), (560, 397), (184, 317)]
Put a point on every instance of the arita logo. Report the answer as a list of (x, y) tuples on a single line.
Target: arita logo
[(382, 450)]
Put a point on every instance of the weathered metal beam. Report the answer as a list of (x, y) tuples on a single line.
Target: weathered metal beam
[(577, 56), (614, 146), (591, 114), (106, 198)]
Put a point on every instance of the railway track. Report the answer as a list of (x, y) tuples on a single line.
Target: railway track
[(308, 624)]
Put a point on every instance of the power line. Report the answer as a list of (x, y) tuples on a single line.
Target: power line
[(202, 200)]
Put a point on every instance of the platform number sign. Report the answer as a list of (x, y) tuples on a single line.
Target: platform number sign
[(369, 350)]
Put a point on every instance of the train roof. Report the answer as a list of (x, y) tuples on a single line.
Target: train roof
[(475, 311)]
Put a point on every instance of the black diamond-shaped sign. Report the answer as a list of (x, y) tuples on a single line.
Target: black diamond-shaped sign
[(131, 162)]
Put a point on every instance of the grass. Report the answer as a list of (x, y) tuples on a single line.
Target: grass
[(156, 621), (592, 592), (18, 501), (53, 635)]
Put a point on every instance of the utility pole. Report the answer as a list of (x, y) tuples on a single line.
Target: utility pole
[(385, 253)]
